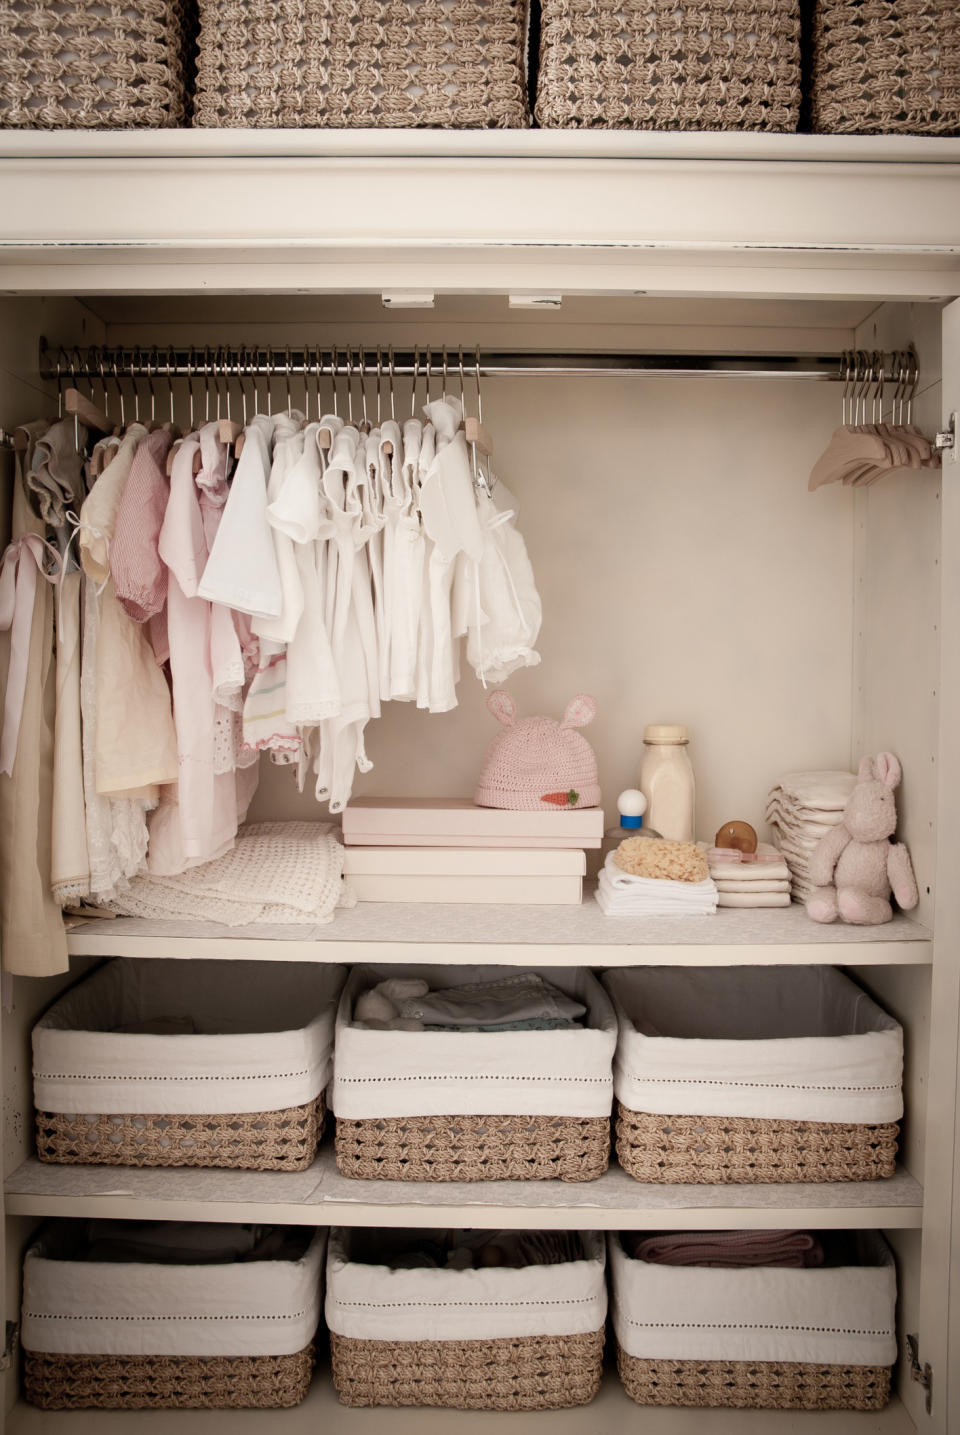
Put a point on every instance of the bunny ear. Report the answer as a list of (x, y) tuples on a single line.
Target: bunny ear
[(866, 772), (503, 707), (888, 769), (579, 711)]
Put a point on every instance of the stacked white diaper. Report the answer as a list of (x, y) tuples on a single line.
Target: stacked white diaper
[(622, 895), (754, 879), (802, 808)]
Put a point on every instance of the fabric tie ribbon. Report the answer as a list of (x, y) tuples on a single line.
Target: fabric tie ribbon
[(21, 563)]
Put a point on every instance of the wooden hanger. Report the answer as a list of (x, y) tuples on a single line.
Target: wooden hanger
[(87, 412)]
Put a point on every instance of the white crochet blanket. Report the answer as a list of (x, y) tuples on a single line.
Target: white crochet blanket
[(287, 872)]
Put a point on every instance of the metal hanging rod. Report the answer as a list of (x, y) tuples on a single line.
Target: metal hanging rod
[(259, 361)]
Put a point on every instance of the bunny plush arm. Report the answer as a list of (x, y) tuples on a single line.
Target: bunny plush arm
[(824, 857), (902, 879)]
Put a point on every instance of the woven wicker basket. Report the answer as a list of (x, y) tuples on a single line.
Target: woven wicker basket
[(754, 1384), (669, 65), (173, 1382), (708, 1150), (886, 67), (250, 1141), (474, 1148), (447, 64), (546, 1372), (76, 64)]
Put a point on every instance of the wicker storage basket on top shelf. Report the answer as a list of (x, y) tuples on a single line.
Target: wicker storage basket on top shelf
[(445, 64), (753, 1074), (669, 65), (94, 64), (491, 1337), (136, 1315), (760, 1337), (170, 1063), (886, 67)]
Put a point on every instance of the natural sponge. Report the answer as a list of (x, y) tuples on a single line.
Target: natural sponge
[(658, 857)]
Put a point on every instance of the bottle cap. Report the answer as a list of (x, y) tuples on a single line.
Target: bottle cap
[(666, 732), (631, 804)]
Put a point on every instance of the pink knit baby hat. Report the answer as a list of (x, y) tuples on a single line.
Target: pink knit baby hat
[(539, 763)]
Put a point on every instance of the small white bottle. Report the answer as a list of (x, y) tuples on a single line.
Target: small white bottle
[(631, 805), (667, 782)]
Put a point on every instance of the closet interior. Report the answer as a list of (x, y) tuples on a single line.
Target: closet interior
[(686, 574)]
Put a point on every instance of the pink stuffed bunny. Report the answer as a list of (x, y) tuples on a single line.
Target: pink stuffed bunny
[(855, 866)]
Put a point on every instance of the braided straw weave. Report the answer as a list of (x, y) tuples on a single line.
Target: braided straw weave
[(474, 1148), (886, 67), (754, 1384), (708, 1150), (669, 64), (448, 64), (534, 1372), (173, 1382), (93, 64), (251, 1141)]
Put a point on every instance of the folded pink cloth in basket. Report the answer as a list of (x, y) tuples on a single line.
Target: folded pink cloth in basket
[(728, 1248)]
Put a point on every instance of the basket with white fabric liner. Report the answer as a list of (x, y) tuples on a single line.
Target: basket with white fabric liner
[(455, 1105), (525, 1333), (138, 1315), (754, 1074), (768, 1337), (170, 1063)]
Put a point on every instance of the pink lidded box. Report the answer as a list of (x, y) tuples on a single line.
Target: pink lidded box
[(457, 822)]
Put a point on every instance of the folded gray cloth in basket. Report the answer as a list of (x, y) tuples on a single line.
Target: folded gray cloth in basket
[(187, 1243), (524, 1002)]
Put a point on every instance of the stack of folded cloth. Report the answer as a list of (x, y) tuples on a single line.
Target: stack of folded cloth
[(524, 1001), (726, 1248), (750, 879), (650, 877), (801, 809)]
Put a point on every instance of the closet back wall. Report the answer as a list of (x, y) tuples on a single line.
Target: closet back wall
[(686, 575)]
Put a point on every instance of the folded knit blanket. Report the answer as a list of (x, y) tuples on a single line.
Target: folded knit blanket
[(764, 865), (727, 1248), (277, 872)]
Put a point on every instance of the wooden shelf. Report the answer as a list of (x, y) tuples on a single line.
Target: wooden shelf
[(549, 936), (612, 1413), (321, 1196)]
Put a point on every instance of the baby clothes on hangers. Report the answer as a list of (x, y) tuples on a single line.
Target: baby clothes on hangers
[(241, 571), (506, 612), (210, 804), (312, 684)]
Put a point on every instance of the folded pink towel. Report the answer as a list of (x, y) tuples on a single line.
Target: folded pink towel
[(727, 1248)]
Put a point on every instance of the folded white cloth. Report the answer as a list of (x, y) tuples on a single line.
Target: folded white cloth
[(754, 899), (778, 884), (620, 894), (733, 868), (822, 791)]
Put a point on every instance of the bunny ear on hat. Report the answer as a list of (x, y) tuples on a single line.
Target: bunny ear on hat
[(579, 711), (888, 769), (503, 707)]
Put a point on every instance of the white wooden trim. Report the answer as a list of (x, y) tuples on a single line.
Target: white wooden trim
[(321, 1196), (550, 936), (611, 1413)]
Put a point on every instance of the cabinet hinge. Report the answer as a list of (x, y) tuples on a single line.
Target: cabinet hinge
[(922, 1374), (946, 442), (10, 1345)]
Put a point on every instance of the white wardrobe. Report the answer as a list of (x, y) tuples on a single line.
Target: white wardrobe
[(687, 575)]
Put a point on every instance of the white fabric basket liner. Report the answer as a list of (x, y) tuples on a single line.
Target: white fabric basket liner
[(367, 1302), (831, 1315), (249, 1308), (265, 1038), (511, 1073), (795, 1043)]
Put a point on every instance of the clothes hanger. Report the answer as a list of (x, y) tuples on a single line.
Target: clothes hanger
[(325, 434), (477, 436), (228, 431), (850, 451)]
